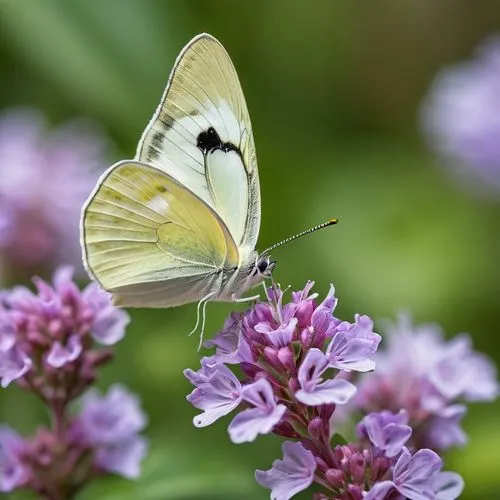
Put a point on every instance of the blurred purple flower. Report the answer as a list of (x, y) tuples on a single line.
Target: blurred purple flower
[(60, 354), (112, 418), (110, 425), (459, 371), (443, 428), (13, 472), (387, 431), (291, 475), (109, 323), (460, 115), (54, 328), (14, 364), (123, 458), (44, 179), (420, 372)]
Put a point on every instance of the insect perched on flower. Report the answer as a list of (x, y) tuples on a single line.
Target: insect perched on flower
[(180, 222)]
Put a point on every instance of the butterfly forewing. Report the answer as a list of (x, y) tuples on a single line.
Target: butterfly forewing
[(202, 136), (152, 242)]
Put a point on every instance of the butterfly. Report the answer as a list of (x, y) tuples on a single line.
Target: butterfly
[(180, 222)]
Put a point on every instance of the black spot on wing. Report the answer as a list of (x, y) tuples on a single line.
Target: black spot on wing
[(209, 141)]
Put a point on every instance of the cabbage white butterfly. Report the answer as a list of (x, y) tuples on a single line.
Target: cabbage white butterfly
[(180, 222)]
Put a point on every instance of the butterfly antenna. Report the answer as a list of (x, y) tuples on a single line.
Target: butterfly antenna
[(330, 222)]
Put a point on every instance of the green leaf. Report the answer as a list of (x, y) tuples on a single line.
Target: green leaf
[(337, 439)]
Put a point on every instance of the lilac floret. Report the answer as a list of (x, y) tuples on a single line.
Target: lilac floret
[(111, 418), (14, 364), (261, 419), (61, 354), (124, 457), (314, 391), (414, 476), (109, 322), (322, 319), (280, 336), (387, 431), (110, 425), (291, 475), (230, 344), (217, 393), (443, 428), (13, 472), (7, 332), (448, 485), (459, 371), (353, 345)]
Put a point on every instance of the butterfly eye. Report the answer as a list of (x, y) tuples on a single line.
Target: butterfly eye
[(262, 266)]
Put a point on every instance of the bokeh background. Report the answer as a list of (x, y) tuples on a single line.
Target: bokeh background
[(335, 92)]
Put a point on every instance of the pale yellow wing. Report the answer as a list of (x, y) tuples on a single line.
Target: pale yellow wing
[(151, 241), (202, 136)]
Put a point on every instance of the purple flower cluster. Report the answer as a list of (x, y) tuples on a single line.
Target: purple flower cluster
[(430, 378), (460, 116), (49, 346), (298, 362), (47, 338), (102, 438), (44, 179), (377, 467), (293, 357)]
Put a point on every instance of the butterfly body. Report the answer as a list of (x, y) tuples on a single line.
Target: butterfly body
[(180, 222)]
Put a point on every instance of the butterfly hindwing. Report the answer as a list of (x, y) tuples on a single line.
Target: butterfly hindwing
[(149, 240), (202, 136)]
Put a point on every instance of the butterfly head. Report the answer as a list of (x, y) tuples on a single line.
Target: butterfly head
[(263, 268)]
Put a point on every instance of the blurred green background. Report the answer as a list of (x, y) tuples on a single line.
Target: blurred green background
[(334, 91)]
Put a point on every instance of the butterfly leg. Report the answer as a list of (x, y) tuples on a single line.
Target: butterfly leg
[(197, 318), (244, 299), (204, 315), (201, 303)]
